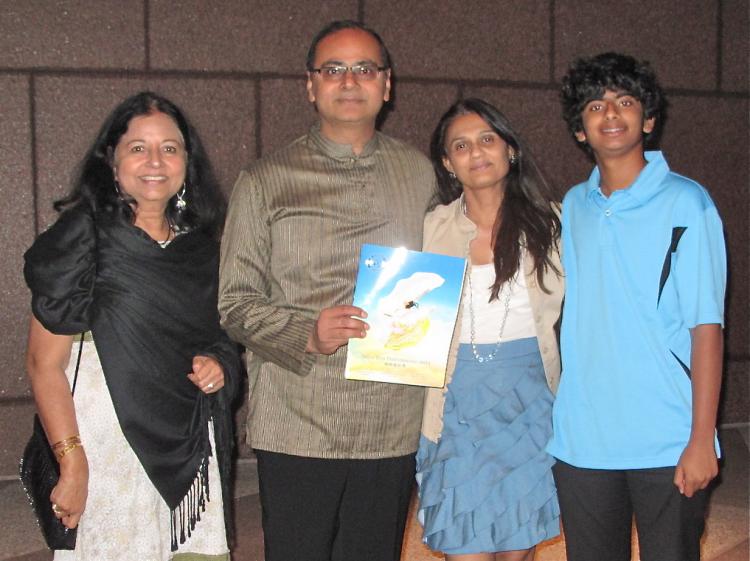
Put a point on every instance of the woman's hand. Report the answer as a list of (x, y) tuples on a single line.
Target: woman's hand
[(207, 374), (68, 498)]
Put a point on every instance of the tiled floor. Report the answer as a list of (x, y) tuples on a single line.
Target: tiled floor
[(726, 536)]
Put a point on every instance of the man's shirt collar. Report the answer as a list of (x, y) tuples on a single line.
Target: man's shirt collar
[(341, 151)]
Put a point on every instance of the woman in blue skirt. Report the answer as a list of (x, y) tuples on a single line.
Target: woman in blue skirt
[(485, 482)]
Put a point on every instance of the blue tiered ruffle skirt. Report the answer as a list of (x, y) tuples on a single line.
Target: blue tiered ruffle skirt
[(487, 485)]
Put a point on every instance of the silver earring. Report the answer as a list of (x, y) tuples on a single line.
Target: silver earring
[(452, 175), (513, 159), (181, 203)]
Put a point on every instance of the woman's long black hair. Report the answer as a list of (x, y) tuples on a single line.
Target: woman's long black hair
[(94, 184), (527, 215)]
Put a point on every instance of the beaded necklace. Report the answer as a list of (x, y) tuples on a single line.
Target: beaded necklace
[(505, 289)]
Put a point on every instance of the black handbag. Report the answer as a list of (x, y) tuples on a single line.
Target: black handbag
[(39, 473)]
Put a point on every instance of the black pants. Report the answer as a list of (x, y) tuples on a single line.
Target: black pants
[(334, 510), (597, 508)]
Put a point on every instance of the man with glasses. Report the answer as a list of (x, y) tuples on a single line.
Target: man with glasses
[(335, 457)]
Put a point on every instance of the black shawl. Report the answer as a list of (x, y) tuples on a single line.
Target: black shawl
[(150, 310)]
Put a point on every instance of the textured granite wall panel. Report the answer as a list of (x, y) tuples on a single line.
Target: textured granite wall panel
[(535, 114), (679, 38), (416, 109), (707, 139), (285, 113), (15, 430), (222, 110), (735, 45), (474, 40), (16, 229), (734, 392), (249, 36), (72, 34)]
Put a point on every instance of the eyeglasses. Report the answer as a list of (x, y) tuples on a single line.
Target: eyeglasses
[(336, 72)]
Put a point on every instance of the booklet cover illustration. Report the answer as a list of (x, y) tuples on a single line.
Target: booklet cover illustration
[(411, 299)]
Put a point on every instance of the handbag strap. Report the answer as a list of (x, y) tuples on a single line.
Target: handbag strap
[(78, 364)]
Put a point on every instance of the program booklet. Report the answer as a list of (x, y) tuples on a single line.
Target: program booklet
[(411, 299)]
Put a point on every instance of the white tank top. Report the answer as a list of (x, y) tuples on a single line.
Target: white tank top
[(489, 315)]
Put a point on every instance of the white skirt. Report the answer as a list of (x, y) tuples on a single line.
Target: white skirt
[(125, 517)]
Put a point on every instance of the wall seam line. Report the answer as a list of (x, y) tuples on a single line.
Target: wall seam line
[(34, 157), (719, 45), (552, 53), (96, 74), (147, 34)]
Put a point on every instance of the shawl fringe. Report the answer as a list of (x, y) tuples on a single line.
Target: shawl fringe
[(187, 514)]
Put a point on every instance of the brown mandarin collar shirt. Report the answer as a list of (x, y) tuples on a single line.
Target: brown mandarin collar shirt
[(296, 222)]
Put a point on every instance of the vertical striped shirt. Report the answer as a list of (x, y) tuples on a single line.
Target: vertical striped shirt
[(296, 222)]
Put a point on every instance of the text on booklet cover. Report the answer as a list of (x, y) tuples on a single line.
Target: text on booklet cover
[(411, 299)]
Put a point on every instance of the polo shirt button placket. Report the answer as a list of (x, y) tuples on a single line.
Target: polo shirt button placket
[(607, 238)]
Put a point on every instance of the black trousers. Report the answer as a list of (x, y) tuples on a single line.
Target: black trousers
[(334, 510), (597, 508)]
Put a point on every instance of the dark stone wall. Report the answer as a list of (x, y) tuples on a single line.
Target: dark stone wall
[(236, 67)]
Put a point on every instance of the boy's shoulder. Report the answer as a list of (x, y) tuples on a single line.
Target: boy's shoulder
[(683, 199), (687, 190), (576, 194)]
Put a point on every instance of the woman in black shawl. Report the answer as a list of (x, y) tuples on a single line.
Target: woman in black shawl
[(132, 265)]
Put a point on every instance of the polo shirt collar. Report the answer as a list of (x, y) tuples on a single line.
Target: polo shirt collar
[(646, 185), (341, 151)]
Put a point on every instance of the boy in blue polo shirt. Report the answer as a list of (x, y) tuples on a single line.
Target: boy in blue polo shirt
[(641, 339)]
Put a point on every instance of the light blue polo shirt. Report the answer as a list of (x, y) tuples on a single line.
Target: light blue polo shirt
[(642, 267)]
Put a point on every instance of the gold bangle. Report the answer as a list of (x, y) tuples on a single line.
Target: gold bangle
[(69, 448), (75, 439)]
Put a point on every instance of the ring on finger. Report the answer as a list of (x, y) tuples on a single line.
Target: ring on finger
[(56, 509), (210, 386)]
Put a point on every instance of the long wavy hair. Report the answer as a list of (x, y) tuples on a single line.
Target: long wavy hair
[(94, 183), (526, 218)]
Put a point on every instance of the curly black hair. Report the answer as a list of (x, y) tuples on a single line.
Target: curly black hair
[(589, 77), (94, 184)]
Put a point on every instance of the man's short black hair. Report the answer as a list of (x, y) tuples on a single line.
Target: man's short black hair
[(340, 25), (587, 78)]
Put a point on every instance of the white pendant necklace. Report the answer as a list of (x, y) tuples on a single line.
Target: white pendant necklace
[(504, 289)]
